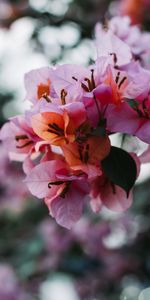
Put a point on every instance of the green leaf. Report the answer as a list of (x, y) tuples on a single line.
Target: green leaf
[(120, 168), (133, 103)]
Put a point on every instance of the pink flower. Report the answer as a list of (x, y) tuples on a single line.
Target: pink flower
[(110, 46), (104, 192), (112, 196), (63, 192), (138, 82), (134, 121), (18, 137), (132, 35), (67, 80), (38, 84)]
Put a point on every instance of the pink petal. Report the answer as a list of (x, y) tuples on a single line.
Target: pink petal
[(63, 79), (103, 93), (33, 78), (122, 119), (39, 177), (28, 165), (76, 112), (145, 156), (143, 133), (108, 43), (91, 109), (117, 201), (67, 211)]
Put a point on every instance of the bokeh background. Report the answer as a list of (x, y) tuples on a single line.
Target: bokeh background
[(105, 256)]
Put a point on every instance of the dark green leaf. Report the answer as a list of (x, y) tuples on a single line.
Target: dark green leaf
[(120, 168), (133, 103)]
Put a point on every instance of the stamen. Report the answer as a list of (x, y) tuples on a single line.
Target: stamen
[(89, 84), (121, 82), (21, 137), (65, 190), (55, 183), (55, 129), (63, 95), (47, 98), (73, 77), (54, 132), (55, 126), (92, 79), (25, 145), (85, 88), (117, 77), (114, 58)]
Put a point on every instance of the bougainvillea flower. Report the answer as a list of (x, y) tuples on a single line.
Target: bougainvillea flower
[(67, 80), (86, 156), (18, 137), (132, 35), (38, 84), (117, 81), (53, 127), (112, 196), (109, 45), (41, 154), (64, 193), (112, 89), (138, 82), (133, 120), (64, 137), (104, 192), (59, 128)]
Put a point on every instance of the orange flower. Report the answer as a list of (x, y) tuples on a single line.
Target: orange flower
[(54, 127), (118, 83), (90, 152)]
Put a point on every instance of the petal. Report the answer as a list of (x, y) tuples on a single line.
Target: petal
[(145, 156), (63, 79), (143, 133), (108, 44), (116, 201), (35, 78), (122, 119), (40, 176), (67, 211)]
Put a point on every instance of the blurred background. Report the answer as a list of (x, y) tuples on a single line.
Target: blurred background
[(105, 256)]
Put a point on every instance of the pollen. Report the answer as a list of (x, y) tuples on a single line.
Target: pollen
[(43, 90)]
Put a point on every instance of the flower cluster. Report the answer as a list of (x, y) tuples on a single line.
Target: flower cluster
[(138, 40), (64, 139)]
